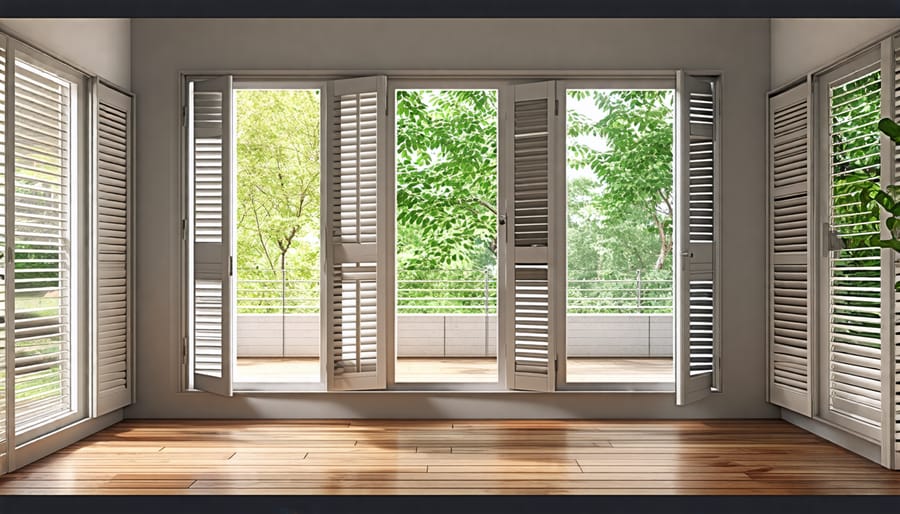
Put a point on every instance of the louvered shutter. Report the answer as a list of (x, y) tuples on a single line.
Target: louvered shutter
[(853, 315), (211, 121), (696, 227), (532, 298), (4, 269), (112, 271), (356, 258), (892, 110), (790, 362)]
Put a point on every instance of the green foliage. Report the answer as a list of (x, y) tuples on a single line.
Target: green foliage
[(446, 179), (634, 171), (277, 214)]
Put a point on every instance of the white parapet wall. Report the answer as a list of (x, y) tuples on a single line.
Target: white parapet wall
[(462, 335)]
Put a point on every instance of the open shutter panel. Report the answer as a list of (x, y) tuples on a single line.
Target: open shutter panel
[(893, 111), (4, 102), (355, 259), (112, 306), (696, 336), (531, 295), (790, 362), (211, 123)]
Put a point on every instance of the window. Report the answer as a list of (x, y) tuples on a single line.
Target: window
[(444, 245), (65, 231)]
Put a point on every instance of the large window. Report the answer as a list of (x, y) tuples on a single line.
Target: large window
[(476, 233)]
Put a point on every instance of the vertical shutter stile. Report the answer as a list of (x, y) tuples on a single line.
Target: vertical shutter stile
[(356, 261), (697, 233), (790, 349), (212, 156), (111, 253), (532, 283)]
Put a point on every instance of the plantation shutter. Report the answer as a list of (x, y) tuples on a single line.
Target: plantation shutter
[(43, 130), (532, 299), (355, 316), (111, 254), (4, 266), (696, 184), (892, 110), (211, 124), (853, 274), (790, 362)]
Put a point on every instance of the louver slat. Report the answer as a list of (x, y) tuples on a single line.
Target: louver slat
[(354, 317), (211, 119), (42, 248), (111, 252), (789, 300), (530, 327), (696, 239), (854, 281)]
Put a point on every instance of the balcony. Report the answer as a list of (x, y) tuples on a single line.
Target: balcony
[(618, 329)]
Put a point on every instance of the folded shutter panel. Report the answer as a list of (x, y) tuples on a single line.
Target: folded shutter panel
[(890, 174), (532, 298), (696, 184), (356, 260), (211, 124), (790, 362), (112, 219)]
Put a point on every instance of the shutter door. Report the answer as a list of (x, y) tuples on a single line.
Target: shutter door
[(112, 217), (211, 124), (853, 315), (696, 185), (532, 288), (356, 260), (790, 364), (892, 110)]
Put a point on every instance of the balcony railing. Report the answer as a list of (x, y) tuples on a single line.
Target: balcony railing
[(454, 292)]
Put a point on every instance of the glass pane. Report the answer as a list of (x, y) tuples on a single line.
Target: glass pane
[(446, 165), (619, 186), (277, 217)]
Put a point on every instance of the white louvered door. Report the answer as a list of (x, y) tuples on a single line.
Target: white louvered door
[(850, 382), (534, 307), (111, 250), (211, 125), (790, 330), (696, 239), (354, 318), (892, 110), (5, 400)]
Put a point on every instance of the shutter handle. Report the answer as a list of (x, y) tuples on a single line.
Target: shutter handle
[(833, 241), (501, 219)]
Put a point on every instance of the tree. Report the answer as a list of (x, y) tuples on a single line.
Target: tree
[(278, 186), (446, 178), (635, 168)]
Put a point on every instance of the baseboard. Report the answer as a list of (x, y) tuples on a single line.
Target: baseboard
[(835, 435), (59, 439)]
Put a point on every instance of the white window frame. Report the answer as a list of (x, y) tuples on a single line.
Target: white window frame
[(418, 79), (78, 243)]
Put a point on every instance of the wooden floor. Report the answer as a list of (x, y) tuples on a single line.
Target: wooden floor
[(455, 369), (450, 457)]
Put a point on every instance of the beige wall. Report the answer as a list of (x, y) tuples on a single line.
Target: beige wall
[(99, 46), (162, 48), (800, 46)]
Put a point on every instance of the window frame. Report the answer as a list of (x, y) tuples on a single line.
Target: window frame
[(415, 79), (79, 239)]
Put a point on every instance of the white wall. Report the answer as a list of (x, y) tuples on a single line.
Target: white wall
[(800, 46), (162, 48), (100, 46)]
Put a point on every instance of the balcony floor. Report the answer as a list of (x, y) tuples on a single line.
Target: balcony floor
[(455, 369)]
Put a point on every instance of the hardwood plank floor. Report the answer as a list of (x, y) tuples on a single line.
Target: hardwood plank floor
[(458, 369), (452, 457)]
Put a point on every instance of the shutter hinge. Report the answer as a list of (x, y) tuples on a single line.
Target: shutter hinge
[(183, 116), (556, 107), (556, 364), (230, 266), (184, 350), (183, 229)]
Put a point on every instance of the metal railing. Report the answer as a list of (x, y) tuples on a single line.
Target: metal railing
[(455, 292)]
